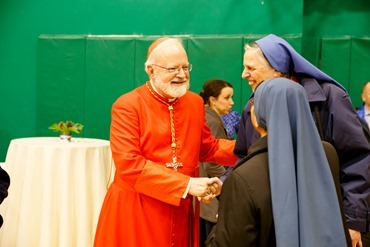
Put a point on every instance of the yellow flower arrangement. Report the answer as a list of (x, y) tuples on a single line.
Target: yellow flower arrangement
[(66, 128)]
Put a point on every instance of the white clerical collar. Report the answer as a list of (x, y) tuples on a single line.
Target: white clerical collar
[(155, 89)]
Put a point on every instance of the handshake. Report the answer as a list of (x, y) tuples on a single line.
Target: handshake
[(205, 188)]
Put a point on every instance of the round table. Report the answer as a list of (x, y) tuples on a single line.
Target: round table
[(56, 191)]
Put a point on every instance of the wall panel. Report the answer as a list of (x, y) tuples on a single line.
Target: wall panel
[(110, 64), (60, 81), (80, 77), (217, 57), (336, 51), (345, 59)]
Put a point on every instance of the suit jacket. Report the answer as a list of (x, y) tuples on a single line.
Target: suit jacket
[(361, 113)]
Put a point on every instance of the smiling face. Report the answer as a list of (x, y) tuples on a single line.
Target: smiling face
[(166, 56), (224, 102), (256, 67)]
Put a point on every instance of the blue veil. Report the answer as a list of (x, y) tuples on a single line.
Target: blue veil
[(305, 205), (282, 57)]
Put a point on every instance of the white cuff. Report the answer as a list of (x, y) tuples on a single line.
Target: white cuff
[(187, 189)]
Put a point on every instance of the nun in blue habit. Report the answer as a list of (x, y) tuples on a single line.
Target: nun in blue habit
[(304, 201), (337, 122), (282, 193)]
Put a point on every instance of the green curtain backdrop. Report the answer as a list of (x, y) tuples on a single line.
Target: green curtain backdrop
[(80, 77), (89, 67)]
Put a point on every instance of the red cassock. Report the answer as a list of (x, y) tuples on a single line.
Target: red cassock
[(144, 204)]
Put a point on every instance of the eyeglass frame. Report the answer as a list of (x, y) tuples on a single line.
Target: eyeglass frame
[(175, 71)]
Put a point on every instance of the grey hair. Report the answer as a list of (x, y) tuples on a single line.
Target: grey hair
[(253, 47)]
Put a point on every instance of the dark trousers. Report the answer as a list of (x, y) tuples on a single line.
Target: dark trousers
[(205, 228), (365, 237)]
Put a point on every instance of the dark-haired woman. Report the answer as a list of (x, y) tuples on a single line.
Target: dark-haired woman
[(217, 96)]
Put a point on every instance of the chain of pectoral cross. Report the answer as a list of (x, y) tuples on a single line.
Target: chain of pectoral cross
[(174, 164)]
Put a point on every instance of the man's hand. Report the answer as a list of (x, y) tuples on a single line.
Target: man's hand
[(215, 185), (205, 187), (355, 237)]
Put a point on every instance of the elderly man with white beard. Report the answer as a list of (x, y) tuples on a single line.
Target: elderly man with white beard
[(158, 136)]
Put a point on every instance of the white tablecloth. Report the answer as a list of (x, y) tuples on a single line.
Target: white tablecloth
[(56, 191)]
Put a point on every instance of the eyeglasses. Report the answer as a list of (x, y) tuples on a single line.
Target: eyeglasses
[(175, 71)]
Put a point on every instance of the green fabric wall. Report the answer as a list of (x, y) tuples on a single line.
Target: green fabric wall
[(332, 18), (29, 106), (79, 77), (336, 38), (347, 60), (22, 22)]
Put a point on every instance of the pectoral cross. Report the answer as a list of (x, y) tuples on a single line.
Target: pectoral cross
[(174, 164)]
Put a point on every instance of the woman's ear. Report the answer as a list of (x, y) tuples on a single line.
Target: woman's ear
[(259, 129), (253, 118), (212, 101)]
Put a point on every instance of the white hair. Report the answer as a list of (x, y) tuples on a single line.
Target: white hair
[(155, 52)]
